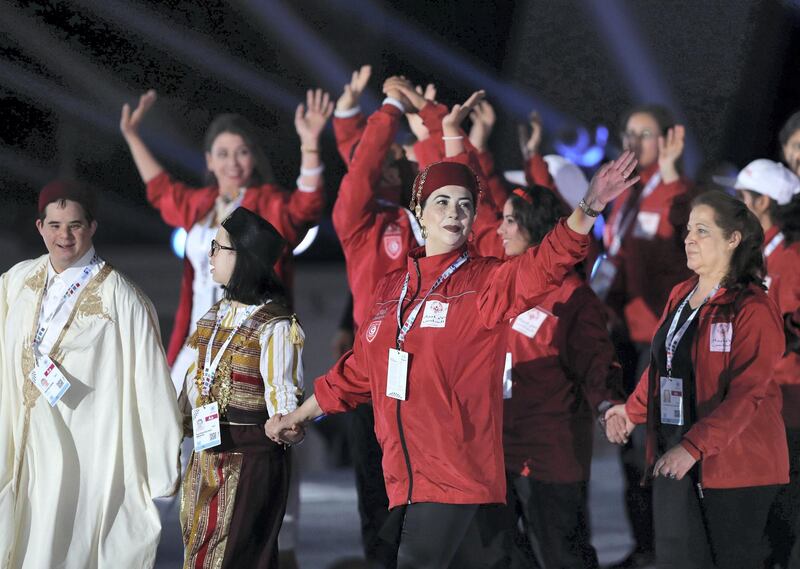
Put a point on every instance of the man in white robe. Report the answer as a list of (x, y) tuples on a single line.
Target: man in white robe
[(77, 478)]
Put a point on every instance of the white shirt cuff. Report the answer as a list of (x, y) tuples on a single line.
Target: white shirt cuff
[(347, 113), (395, 103)]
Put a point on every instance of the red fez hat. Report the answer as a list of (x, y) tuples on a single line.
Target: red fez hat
[(67, 190), (440, 174)]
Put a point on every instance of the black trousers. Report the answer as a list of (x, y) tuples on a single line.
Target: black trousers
[(373, 503), (437, 536), (722, 530), (638, 498), (783, 523)]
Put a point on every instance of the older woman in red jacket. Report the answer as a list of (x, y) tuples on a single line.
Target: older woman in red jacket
[(716, 446), (427, 355), (239, 175)]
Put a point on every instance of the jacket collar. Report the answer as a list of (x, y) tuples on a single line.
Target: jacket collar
[(772, 232), (430, 268), (723, 295), (647, 173)]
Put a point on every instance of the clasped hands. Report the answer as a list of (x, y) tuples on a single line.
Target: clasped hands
[(284, 429), (674, 463)]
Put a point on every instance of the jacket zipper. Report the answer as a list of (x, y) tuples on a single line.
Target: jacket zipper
[(403, 443), (697, 335)]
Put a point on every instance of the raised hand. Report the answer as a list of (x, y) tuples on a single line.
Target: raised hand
[(129, 122), (618, 426), (529, 142), (398, 88), (310, 119), (414, 120), (352, 91), (611, 180), (483, 121), (674, 463), (670, 149), (452, 121)]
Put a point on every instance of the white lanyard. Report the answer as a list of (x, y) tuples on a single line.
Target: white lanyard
[(209, 366), (412, 220), (674, 337), (404, 328), (45, 321), (773, 244), (626, 215)]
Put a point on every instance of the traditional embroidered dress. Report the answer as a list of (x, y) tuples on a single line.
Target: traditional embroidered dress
[(234, 495), (77, 479)]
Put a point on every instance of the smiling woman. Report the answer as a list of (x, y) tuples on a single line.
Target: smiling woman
[(238, 174), (709, 397)]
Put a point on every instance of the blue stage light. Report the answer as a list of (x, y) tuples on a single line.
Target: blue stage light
[(585, 152), (178, 242)]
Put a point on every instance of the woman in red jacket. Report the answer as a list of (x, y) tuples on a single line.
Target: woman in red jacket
[(563, 373), (643, 260), (772, 192), (239, 175), (716, 446), (427, 355)]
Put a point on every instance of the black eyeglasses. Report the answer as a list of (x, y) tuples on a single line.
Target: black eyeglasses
[(216, 247)]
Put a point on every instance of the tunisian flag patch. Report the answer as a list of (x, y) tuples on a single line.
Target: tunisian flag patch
[(372, 330), (393, 241)]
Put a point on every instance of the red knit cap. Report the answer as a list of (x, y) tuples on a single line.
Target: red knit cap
[(67, 190)]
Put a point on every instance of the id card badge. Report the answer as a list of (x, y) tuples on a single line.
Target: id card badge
[(507, 377), (205, 426), (671, 401), (397, 374), (49, 380), (603, 275)]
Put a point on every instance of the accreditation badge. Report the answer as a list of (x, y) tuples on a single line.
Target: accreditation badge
[(603, 275), (397, 374), (205, 427), (49, 380), (671, 401)]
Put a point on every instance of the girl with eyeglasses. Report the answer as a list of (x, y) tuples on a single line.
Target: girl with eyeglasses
[(247, 368)]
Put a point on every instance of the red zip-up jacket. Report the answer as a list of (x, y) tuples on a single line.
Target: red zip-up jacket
[(783, 270), (292, 213), (739, 437), (564, 367), (444, 443), (651, 259), (347, 132), (375, 236)]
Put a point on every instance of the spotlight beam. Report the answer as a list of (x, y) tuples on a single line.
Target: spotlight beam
[(194, 50), (639, 66), (53, 96), (511, 97), (317, 56)]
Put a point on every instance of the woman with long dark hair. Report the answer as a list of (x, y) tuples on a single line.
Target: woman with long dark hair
[(716, 446)]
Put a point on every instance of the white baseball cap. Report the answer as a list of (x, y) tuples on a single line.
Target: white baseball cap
[(769, 178), (570, 180)]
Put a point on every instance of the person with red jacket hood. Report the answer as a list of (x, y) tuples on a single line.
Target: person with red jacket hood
[(643, 260), (561, 372), (239, 175), (716, 445), (427, 355), (772, 192)]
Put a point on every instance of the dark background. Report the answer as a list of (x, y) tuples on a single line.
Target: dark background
[(728, 68)]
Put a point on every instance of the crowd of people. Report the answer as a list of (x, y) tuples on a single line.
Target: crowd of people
[(490, 334)]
